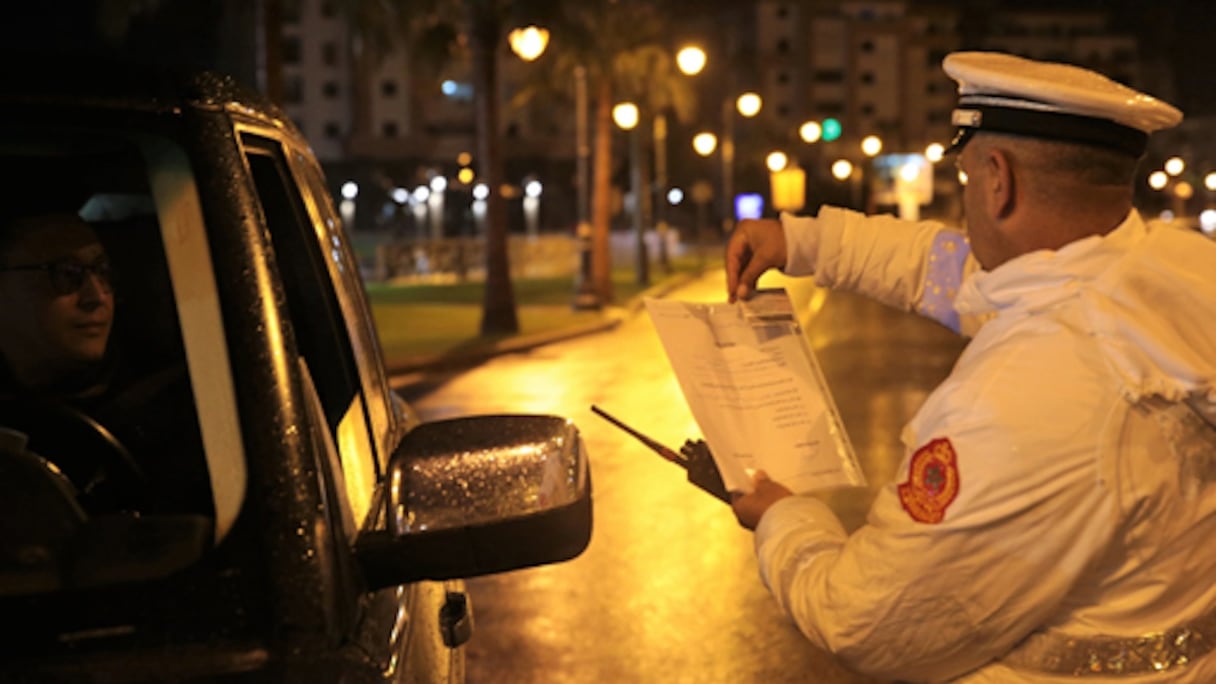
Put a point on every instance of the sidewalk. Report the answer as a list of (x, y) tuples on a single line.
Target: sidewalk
[(420, 369)]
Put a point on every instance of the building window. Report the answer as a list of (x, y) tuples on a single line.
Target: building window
[(829, 76), (291, 49), (867, 109), (327, 9), (293, 90), (782, 11), (867, 46), (783, 77), (867, 77), (329, 53), (389, 129), (783, 47), (388, 88), (330, 90), (291, 11), (830, 108), (783, 110), (333, 131)]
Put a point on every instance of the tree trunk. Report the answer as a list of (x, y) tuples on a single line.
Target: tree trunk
[(498, 316), (601, 197)]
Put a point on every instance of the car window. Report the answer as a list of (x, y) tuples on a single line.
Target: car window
[(95, 379), (316, 320), (360, 325)]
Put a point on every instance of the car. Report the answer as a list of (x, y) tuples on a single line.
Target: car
[(280, 513)]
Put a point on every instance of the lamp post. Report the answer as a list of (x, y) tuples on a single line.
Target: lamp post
[(529, 43), (843, 170), (625, 115), (748, 105)]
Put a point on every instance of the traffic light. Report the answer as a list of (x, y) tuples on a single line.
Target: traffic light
[(831, 129)]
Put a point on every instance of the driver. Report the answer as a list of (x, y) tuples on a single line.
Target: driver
[(58, 306), (57, 299)]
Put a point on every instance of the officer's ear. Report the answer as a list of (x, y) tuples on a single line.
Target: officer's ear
[(1000, 182)]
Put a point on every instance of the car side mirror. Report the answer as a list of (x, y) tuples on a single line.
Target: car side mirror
[(479, 495)]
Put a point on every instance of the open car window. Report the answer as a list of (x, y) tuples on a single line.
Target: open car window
[(143, 431)]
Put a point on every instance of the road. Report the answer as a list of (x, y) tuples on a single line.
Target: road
[(668, 590)]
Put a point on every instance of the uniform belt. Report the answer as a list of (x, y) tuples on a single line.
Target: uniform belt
[(1107, 656)]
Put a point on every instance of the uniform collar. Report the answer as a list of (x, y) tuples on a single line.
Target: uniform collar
[(1038, 279)]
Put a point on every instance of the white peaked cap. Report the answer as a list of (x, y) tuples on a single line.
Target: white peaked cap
[(1010, 94)]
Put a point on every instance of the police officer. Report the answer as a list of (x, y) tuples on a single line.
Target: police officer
[(1053, 515)]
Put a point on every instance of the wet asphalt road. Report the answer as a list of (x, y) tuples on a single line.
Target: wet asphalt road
[(668, 589)]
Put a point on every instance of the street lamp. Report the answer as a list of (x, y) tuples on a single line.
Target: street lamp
[(842, 170), (748, 105), (690, 60), (532, 191), (810, 132), (529, 43), (625, 115)]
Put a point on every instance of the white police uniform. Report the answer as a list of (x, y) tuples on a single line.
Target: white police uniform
[(1058, 497)]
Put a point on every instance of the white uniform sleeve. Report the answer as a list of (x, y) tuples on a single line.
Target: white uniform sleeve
[(906, 599), (913, 266)]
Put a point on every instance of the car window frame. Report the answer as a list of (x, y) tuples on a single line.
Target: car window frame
[(357, 445)]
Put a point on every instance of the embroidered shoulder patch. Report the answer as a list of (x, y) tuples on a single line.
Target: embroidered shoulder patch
[(932, 482)]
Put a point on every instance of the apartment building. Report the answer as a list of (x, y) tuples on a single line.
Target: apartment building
[(874, 65)]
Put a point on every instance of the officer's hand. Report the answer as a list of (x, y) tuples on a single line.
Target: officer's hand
[(749, 508), (756, 246)]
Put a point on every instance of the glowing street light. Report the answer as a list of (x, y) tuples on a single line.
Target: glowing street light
[(625, 114), (528, 42), (749, 104), (1157, 180), (1209, 181), (842, 169), (935, 152), (871, 145), (777, 160), (705, 143), (810, 131), (1174, 166), (690, 60)]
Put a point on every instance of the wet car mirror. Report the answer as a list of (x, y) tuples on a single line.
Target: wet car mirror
[(478, 495)]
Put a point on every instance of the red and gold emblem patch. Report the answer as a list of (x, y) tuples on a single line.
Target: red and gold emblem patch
[(932, 482)]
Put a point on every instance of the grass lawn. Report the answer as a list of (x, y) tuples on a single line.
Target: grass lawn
[(425, 320)]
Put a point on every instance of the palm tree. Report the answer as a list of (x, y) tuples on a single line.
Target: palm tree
[(622, 44), (438, 31)]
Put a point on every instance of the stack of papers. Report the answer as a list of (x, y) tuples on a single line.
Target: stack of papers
[(756, 390)]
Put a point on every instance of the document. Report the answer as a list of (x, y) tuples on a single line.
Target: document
[(756, 390)]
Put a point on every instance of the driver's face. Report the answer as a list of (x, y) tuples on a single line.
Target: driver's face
[(50, 330)]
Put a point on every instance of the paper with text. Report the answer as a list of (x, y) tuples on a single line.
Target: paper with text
[(756, 390)]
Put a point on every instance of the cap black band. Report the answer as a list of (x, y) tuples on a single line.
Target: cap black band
[(1086, 130)]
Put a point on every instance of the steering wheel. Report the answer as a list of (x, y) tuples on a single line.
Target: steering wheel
[(106, 475)]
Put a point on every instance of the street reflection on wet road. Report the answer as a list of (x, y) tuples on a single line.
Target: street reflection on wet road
[(668, 590)]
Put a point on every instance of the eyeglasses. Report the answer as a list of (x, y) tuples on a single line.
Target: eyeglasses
[(67, 277)]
